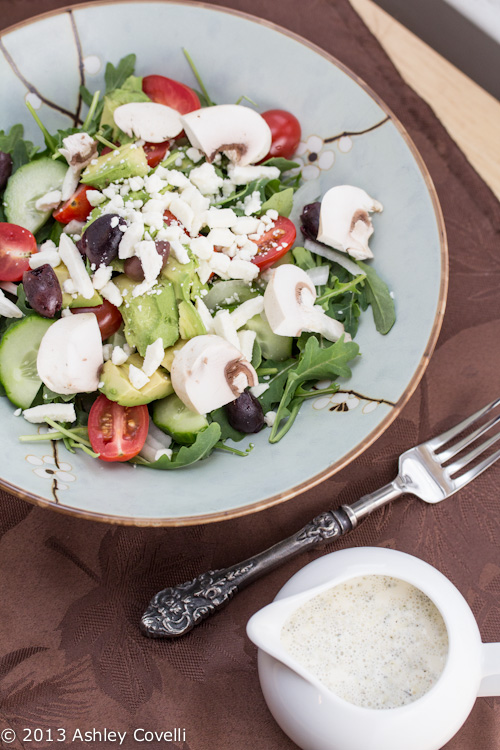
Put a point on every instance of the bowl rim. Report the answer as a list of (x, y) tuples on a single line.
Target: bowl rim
[(369, 439)]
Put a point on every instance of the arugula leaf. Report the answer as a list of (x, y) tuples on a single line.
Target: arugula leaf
[(187, 454), (314, 363), (115, 77), (284, 165), (281, 201), (378, 296), (227, 432), (276, 383), (304, 259), (13, 143)]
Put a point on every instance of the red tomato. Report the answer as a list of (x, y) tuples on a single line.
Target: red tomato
[(155, 152), (17, 245), (172, 93), (117, 432), (108, 317), (76, 208), (275, 243), (285, 132)]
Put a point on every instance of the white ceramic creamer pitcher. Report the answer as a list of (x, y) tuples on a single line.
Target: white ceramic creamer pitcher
[(317, 719)]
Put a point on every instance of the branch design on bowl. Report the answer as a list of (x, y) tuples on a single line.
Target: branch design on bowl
[(50, 468)]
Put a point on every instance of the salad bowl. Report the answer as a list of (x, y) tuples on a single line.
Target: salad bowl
[(349, 136)]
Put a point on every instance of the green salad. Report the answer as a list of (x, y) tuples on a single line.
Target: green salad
[(155, 299)]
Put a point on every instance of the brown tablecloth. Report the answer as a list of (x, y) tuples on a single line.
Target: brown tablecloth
[(72, 591)]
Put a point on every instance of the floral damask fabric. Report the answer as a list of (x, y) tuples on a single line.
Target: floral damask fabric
[(72, 591)]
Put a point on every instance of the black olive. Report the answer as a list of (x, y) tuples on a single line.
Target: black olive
[(101, 239), (245, 414), (5, 168), (310, 219), (133, 266), (43, 290)]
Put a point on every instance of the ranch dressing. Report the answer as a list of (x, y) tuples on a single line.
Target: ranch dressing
[(374, 641)]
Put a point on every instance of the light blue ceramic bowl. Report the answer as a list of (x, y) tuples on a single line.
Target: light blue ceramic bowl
[(409, 246)]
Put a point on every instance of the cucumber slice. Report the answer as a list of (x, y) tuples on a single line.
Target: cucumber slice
[(26, 186), (173, 417), (18, 352)]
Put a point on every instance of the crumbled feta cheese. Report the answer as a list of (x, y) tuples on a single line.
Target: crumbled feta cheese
[(248, 251), (137, 377), (252, 203), (49, 256), (272, 214), (193, 154), (206, 179), (220, 217), (246, 341), (151, 260), (224, 327), (131, 236), (73, 261), (153, 183), (128, 349), (219, 263), (49, 201), (205, 315), (107, 351), (183, 212), (204, 271), (102, 276), (270, 418), (136, 183), (95, 197), (242, 269), (179, 251), (247, 310), (153, 219), (111, 292), (119, 356), (153, 358), (57, 412), (202, 247), (18, 412), (114, 222), (74, 227), (258, 390), (173, 177), (245, 175), (245, 225), (68, 286), (221, 237), (66, 312)]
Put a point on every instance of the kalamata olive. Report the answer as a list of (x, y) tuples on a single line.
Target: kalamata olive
[(133, 266), (43, 290), (310, 219), (245, 414), (5, 168), (101, 239)]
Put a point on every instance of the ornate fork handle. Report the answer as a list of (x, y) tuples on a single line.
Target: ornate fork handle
[(176, 610)]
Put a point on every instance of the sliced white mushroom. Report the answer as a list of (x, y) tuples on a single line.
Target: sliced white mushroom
[(344, 221), (149, 121), (208, 372), (70, 355), (290, 309), (237, 131), (7, 308)]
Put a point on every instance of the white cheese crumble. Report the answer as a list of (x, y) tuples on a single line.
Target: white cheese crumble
[(137, 377), (258, 390), (119, 356), (49, 256), (270, 418), (153, 358), (57, 412)]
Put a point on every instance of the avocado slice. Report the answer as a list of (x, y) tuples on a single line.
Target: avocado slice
[(190, 322), (68, 300), (272, 346), (187, 284), (126, 161), (148, 316), (173, 417), (170, 353), (117, 387)]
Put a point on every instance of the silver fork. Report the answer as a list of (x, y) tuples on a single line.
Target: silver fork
[(424, 471)]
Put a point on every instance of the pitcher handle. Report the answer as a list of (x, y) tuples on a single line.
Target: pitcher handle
[(490, 683)]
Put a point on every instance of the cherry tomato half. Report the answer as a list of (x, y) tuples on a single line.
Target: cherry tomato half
[(76, 208), (155, 152), (275, 243), (172, 93), (108, 316), (117, 432), (285, 132), (17, 245)]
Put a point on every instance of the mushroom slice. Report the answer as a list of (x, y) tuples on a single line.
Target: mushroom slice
[(237, 131), (344, 220), (209, 372), (70, 355), (290, 309), (148, 120)]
